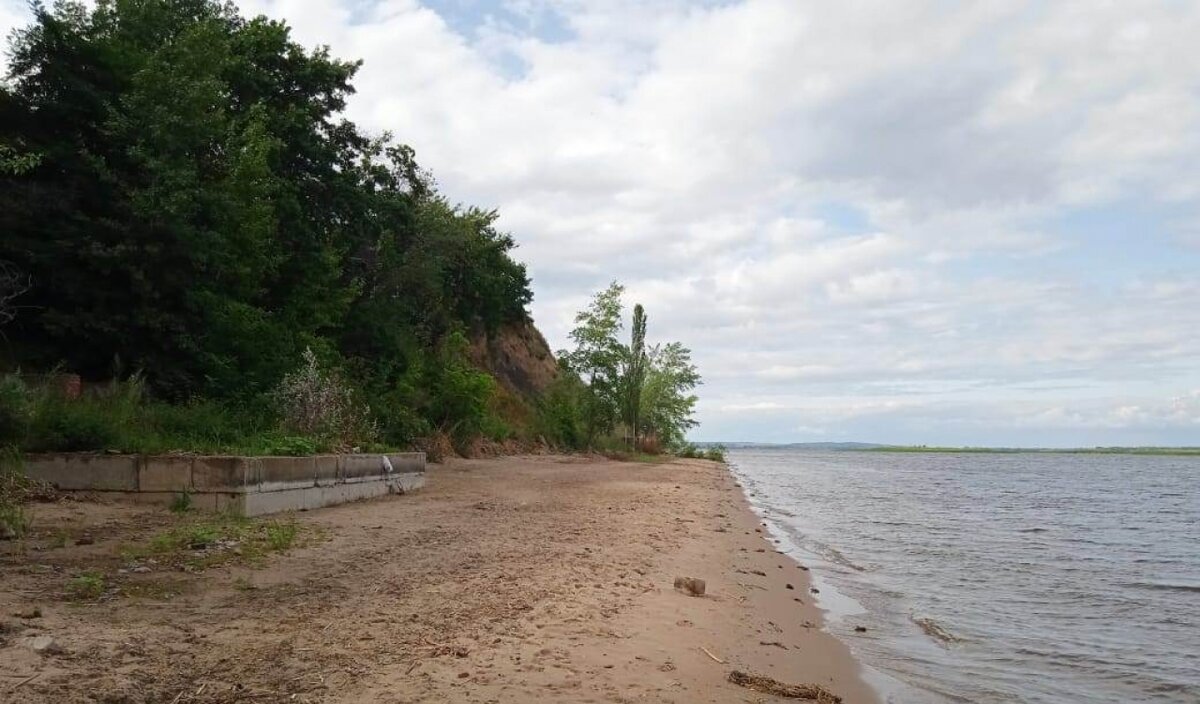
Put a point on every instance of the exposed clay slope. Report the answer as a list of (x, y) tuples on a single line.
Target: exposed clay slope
[(518, 356)]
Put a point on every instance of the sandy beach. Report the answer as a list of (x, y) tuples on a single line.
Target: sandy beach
[(510, 580)]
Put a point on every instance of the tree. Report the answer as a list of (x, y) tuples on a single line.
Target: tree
[(597, 359), (648, 388), (179, 186), (634, 375), (666, 399), (12, 285)]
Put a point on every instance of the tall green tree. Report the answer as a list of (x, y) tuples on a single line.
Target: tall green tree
[(597, 359), (633, 376), (668, 403)]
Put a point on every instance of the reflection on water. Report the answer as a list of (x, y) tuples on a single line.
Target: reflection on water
[(1000, 578)]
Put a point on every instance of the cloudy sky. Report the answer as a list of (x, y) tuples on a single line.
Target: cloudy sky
[(918, 222)]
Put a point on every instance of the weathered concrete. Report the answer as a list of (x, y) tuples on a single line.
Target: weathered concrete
[(226, 473), (165, 473), (85, 472), (247, 485)]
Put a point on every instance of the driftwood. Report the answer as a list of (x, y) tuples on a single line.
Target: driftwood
[(766, 685)]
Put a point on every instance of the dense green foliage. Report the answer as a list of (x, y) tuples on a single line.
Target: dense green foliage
[(644, 391), (122, 416), (182, 198)]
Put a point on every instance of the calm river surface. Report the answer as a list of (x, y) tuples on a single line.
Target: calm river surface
[(999, 577)]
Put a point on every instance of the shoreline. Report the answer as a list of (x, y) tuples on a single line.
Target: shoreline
[(504, 580)]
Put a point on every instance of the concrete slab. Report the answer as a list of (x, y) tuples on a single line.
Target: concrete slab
[(165, 473), (408, 481), (227, 474), (357, 468), (80, 472), (326, 469), (279, 473), (404, 462), (257, 504), (250, 486)]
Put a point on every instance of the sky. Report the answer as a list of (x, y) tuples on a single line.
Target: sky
[(927, 222)]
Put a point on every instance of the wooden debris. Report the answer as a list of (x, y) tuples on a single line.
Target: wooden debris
[(709, 654), (766, 685)]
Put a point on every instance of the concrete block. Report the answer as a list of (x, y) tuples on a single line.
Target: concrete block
[(226, 474), (200, 502), (78, 472), (403, 462), (233, 503), (287, 473), (326, 469), (164, 473), (311, 498), (406, 482), (357, 468)]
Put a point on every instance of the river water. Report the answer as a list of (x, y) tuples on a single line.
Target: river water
[(1048, 578)]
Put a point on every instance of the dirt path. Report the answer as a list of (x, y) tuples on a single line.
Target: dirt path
[(514, 580)]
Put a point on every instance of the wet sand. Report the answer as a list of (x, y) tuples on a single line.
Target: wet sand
[(511, 580)]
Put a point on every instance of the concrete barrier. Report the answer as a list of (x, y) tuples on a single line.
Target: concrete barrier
[(250, 486)]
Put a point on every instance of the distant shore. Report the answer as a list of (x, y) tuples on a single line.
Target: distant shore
[(541, 578), (876, 447), (1183, 451)]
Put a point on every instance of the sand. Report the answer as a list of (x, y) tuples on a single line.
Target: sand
[(526, 579)]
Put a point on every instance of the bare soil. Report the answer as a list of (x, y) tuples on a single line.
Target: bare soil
[(510, 580)]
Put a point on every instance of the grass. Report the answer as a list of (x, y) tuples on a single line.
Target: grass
[(194, 544), (201, 542), (121, 416), (14, 490), (88, 586), (181, 502)]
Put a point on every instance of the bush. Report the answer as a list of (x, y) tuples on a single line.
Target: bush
[(559, 417), (317, 402), (14, 410), (715, 453)]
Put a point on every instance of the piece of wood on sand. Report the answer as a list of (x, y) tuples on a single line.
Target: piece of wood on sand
[(766, 685)]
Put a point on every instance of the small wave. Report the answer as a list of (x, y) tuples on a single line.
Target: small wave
[(935, 631), (1163, 586), (836, 556), (1034, 530)]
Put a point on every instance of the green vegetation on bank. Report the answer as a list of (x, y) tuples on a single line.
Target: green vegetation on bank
[(1028, 450), (616, 396), (186, 212)]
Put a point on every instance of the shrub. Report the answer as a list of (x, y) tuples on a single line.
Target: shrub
[(559, 417), (290, 446), (181, 502), (14, 410), (317, 402), (460, 391), (89, 585)]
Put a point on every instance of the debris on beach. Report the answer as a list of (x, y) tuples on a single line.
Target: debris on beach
[(766, 685), (690, 586)]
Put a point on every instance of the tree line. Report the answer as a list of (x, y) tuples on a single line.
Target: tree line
[(180, 196), (186, 211)]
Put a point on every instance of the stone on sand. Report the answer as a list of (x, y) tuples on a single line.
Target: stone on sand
[(690, 586)]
